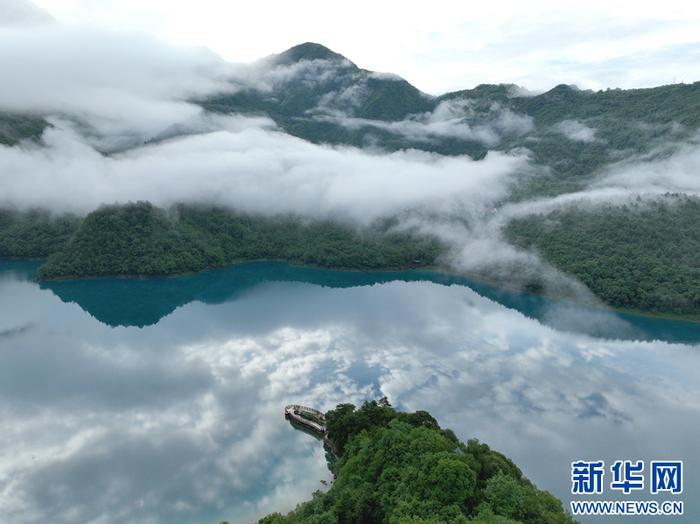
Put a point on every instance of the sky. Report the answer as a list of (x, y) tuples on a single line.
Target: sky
[(440, 46)]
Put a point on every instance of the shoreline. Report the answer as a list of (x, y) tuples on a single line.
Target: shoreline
[(437, 269), (138, 276)]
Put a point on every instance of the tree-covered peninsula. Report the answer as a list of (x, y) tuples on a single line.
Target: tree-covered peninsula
[(142, 239), (642, 255), (403, 468)]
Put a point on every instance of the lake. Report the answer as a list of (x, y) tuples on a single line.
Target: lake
[(160, 400)]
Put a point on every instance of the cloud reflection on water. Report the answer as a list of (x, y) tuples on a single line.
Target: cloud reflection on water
[(181, 421)]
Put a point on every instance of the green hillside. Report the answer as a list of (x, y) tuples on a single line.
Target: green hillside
[(642, 255), (34, 234), (403, 468), (623, 122), (141, 239)]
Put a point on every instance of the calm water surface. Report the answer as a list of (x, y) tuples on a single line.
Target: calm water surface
[(160, 400)]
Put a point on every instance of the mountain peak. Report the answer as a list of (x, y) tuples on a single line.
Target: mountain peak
[(306, 51)]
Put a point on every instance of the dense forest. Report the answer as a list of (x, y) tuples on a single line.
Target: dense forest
[(35, 233), (642, 255), (403, 468), (141, 239)]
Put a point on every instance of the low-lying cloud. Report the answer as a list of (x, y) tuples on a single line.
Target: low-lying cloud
[(577, 131), (115, 84), (252, 167), (124, 128), (449, 119)]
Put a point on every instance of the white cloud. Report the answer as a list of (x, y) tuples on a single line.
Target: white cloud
[(575, 130), (450, 46), (675, 172), (117, 83), (251, 168), (450, 119), (22, 13), (181, 420)]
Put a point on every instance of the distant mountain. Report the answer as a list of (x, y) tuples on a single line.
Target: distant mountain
[(319, 95), (309, 90), (312, 78)]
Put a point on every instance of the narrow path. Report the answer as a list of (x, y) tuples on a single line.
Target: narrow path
[(294, 411)]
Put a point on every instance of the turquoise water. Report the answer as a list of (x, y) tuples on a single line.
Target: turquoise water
[(160, 400), (143, 302)]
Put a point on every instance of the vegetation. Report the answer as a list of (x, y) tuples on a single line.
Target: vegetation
[(34, 234), (625, 122), (638, 257), (403, 468), (141, 239), (643, 255), (15, 127)]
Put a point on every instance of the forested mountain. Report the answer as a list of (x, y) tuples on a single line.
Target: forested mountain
[(572, 138), (312, 78), (321, 96)]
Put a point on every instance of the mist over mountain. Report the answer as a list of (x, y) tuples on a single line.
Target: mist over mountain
[(309, 133), (403, 220)]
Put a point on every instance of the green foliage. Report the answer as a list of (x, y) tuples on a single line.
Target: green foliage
[(291, 103), (402, 468), (626, 122), (34, 234), (643, 255), (15, 127), (678, 103), (140, 239)]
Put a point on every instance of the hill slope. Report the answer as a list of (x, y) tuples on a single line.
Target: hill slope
[(141, 239), (402, 467)]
